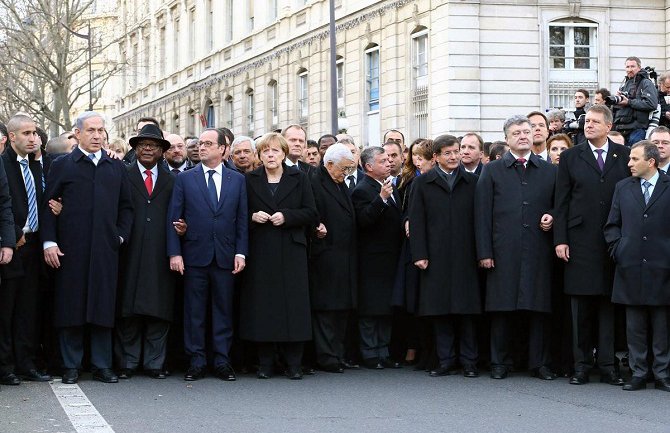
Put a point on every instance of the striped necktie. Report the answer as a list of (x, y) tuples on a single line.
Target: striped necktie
[(30, 192)]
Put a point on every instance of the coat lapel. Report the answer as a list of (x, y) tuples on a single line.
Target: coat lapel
[(137, 181), (659, 189), (258, 181), (333, 189), (161, 181), (590, 159), (636, 190), (202, 185), (612, 157), (225, 187), (435, 177), (287, 183)]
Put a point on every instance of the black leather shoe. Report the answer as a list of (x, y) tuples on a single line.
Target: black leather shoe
[(264, 373), (350, 365), (470, 371), (194, 373), (70, 376), (635, 384), (498, 372), (389, 363), (543, 373), (373, 364), (10, 379), (225, 372), (294, 373), (611, 378), (155, 373), (579, 378), (308, 371), (442, 371), (35, 376), (332, 368), (126, 373), (105, 375), (663, 384)]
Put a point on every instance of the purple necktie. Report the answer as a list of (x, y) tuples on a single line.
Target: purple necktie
[(599, 160)]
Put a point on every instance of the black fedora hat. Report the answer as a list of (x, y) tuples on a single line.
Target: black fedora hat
[(152, 132)]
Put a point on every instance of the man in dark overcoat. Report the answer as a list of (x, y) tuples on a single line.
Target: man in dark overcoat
[(83, 242), (378, 213), (638, 235), (514, 198), (441, 215), (585, 185), (147, 286), (333, 262)]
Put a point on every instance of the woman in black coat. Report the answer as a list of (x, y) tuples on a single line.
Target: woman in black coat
[(274, 305)]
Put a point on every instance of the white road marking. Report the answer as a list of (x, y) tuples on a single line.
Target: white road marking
[(84, 417)]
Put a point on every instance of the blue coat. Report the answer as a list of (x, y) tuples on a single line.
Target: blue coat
[(97, 210), (214, 233)]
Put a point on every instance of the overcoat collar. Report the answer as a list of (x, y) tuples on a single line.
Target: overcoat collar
[(289, 180)]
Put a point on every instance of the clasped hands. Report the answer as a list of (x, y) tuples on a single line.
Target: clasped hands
[(261, 217)]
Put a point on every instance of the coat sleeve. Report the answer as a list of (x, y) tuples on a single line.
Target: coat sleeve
[(484, 215), (369, 207), (305, 214), (54, 182), (175, 212), (242, 226), (7, 235), (612, 229), (124, 221), (647, 97), (562, 196), (418, 226)]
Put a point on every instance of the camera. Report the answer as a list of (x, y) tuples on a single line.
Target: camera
[(652, 72), (615, 99), (572, 123)]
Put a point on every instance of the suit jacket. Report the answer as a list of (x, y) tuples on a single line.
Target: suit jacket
[(582, 201), (214, 232), (97, 210), (17, 190), (638, 235)]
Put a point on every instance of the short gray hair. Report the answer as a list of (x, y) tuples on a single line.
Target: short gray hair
[(336, 153), (241, 139), (517, 119), (85, 116), (57, 145), (370, 153), (555, 113)]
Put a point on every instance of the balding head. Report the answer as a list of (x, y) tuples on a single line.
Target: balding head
[(176, 154)]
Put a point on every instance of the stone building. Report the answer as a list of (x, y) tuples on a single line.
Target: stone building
[(426, 67)]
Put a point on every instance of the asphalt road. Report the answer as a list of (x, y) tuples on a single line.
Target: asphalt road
[(357, 401)]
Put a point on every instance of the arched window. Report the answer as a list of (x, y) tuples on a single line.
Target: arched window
[(373, 126), (251, 107), (303, 96), (420, 88), (211, 117), (273, 106)]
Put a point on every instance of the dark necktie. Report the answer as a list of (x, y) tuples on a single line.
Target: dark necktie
[(211, 187), (351, 183), (176, 171), (599, 159), (30, 192)]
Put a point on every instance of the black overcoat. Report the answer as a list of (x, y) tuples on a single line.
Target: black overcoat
[(508, 209), (97, 211), (583, 200), (147, 285), (379, 242), (274, 303), (442, 230), (639, 240), (333, 259)]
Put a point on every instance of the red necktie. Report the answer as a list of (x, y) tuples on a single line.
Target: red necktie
[(148, 182)]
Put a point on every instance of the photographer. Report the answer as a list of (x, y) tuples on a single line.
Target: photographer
[(664, 98), (574, 125), (635, 101)]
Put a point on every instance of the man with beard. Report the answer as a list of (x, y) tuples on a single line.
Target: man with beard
[(175, 155)]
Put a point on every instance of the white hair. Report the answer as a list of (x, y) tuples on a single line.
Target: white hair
[(336, 153), (241, 139)]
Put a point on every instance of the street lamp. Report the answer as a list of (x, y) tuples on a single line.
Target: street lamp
[(333, 70), (90, 63)]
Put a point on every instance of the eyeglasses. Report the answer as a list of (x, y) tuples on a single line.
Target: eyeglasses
[(206, 143), (347, 170), (150, 146), (518, 133)]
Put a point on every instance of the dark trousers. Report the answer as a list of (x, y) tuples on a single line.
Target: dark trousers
[(589, 312), (639, 319), (141, 337), (204, 288), (329, 328), (291, 351), (72, 346), (375, 336), (538, 338), (20, 313), (449, 330)]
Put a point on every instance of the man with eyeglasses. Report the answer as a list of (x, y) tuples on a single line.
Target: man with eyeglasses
[(212, 200), (513, 201)]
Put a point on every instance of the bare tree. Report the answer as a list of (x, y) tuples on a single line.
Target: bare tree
[(44, 67)]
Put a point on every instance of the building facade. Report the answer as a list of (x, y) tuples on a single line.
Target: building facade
[(426, 67)]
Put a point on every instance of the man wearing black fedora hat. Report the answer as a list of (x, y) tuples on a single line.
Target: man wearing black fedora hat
[(146, 285)]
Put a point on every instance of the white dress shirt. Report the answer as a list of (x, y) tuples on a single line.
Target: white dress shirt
[(605, 149), (154, 174)]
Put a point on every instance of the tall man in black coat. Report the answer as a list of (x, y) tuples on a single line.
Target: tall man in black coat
[(333, 262), (441, 215), (147, 286), (585, 185), (20, 289), (82, 244), (377, 205), (638, 235), (513, 203)]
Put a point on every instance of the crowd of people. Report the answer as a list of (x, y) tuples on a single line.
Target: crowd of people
[(544, 251)]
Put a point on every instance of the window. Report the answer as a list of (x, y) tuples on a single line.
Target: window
[(162, 51), (373, 122), (250, 111), (273, 10), (303, 97), (175, 40), (420, 58), (420, 83), (229, 20), (274, 105), (190, 127), (229, 113), (339, 73), (211, 118), (191, 34), (250, 15), (146, 47), (134, 60), (210, 26)]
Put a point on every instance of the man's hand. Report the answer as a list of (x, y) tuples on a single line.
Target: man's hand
[(239, 265), (177, 264), (624, 100), (321, 231), (113, 155), (6, 255), (56, 206), (487, 264), (21, 242), (277, 219), (407, 228), (421, 264), (546, 222), (51, 256), (260, 217), (180, 226), (387, 190), (563, 252)]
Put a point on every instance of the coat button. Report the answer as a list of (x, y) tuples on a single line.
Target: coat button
[(644, 260), (525, 203), (602, 203), (526, 226), (148, 201), (644, 238), (148, 220), (602, 180), (524, 183), (645, 215)]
